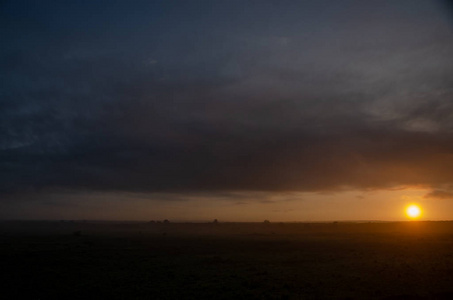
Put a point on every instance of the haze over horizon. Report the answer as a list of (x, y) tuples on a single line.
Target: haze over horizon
[(229, 110)]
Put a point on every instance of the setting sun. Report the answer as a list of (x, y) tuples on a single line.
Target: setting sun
[(413, 211)]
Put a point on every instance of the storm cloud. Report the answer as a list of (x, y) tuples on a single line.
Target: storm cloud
[(225, 96)]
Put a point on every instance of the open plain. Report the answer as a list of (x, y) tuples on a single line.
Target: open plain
[(139, 260)]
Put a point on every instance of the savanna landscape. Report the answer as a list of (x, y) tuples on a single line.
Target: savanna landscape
[(234, 149), (143, 260)]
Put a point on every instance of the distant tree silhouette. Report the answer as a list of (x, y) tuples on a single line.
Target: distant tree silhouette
[(267, 222), (166, 221), (215, 221)]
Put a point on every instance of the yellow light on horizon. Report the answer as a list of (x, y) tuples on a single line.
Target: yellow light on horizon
[(413, 211)]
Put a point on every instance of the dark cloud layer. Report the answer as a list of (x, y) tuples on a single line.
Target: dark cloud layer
[(439, 194), (206, 96)]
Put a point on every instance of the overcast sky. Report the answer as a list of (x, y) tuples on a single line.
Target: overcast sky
[(288, 110)]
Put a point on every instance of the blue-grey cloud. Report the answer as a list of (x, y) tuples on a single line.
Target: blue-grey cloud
[(160, 97)]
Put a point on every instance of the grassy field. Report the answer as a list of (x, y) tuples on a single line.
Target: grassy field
[(86, 260)]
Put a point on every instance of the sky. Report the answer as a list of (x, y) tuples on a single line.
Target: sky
[(235, 110)]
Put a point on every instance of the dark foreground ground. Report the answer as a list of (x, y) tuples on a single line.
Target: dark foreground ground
[(66, 260)]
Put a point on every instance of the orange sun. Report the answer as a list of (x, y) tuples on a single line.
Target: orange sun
[(413, 211)]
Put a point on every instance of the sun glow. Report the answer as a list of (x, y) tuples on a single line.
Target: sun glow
[(413, 211)]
